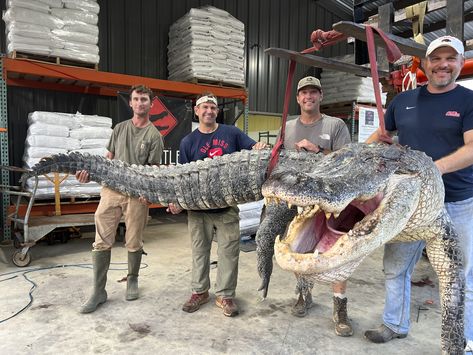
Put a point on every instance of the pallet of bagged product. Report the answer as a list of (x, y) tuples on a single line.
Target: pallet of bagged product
[(220, 83), (52, 60)]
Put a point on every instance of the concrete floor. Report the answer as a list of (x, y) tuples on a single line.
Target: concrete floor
[(155, 323)]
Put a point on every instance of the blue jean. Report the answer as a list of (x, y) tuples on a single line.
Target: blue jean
[(399, 262), (400, 259), (461, 213)]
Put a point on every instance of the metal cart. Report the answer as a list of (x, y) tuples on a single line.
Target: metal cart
[(27, 229)]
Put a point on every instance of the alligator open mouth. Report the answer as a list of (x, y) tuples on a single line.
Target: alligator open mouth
[(315, 231)]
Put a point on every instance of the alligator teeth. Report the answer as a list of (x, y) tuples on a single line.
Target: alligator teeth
[(289, 205), (300, 209), (266, 201), (316, 253), (327, 215), (336, 215)]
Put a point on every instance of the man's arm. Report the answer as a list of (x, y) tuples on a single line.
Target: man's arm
[(459, 159)]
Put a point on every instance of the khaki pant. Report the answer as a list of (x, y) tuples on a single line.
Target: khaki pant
[(201, 228), (107, 217)]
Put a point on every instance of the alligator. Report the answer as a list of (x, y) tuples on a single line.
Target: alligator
[(378, 193), (355, 200)]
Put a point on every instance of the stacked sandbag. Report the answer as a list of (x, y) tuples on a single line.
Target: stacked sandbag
[(54, 133), (207, 44), (58, 28), (29, 26), (339, 87), (250, 217), (80, 32)]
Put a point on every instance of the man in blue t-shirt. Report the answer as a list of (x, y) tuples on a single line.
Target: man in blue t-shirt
[(209, 140), (438, 120)]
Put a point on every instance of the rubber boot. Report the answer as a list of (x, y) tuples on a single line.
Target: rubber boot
[(101, 263), (134, 262)]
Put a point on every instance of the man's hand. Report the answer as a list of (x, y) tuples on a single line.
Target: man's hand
[(307, 145), (259, 145), (172, 208), (144, 201), (82, 176)]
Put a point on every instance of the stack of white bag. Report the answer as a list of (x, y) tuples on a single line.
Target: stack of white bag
[(59, 28), (54, 133), (250, 217), (207, 43), (80, 32), (29, 26), (342, 87)]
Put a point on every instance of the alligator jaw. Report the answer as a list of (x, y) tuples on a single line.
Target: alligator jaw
[(315, 244)]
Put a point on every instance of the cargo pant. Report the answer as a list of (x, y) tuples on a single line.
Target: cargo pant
[(107, 217), (201, 226)]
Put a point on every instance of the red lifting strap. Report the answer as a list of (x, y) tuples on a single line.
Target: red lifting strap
[(393, 54), (319, 39)]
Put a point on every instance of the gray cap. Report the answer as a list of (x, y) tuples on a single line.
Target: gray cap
[(308, 81)]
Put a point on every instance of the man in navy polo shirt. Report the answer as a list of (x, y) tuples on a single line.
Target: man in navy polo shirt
[(438, 120)]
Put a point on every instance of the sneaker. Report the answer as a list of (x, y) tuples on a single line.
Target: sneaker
[(343, 326), (302, 306), (382, 335), (196, 300), (230, 308)]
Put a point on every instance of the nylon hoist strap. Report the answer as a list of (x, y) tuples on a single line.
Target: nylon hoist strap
[(416, 13), (393, 54), (319, 40)]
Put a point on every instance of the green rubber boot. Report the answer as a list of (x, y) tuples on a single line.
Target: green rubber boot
[(134, 262), (101, 263)]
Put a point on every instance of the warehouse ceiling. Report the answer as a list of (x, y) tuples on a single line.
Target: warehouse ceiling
[(434, 23)]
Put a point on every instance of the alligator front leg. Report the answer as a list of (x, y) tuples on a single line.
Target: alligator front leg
[(276, 217), (446, 259)]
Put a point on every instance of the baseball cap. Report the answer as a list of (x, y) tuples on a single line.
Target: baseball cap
[(446, 41), (308, 81)]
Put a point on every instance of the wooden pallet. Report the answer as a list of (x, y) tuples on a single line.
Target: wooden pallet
[(53, 60), (214, 83)]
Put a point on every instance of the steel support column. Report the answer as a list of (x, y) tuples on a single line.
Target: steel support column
[(4, 159)]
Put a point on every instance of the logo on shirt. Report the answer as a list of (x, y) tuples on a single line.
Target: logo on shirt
[(452, 114), (410, 107), (215, 152)]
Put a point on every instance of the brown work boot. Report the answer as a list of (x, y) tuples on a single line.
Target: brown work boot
[(343, 326), (196, 300), (302, 305), (230, 308)]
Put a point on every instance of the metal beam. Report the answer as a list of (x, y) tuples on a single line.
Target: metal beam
[(455, 19), (435, 26), (406, 46), (385, 23), (16, 69), (324, 63)]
